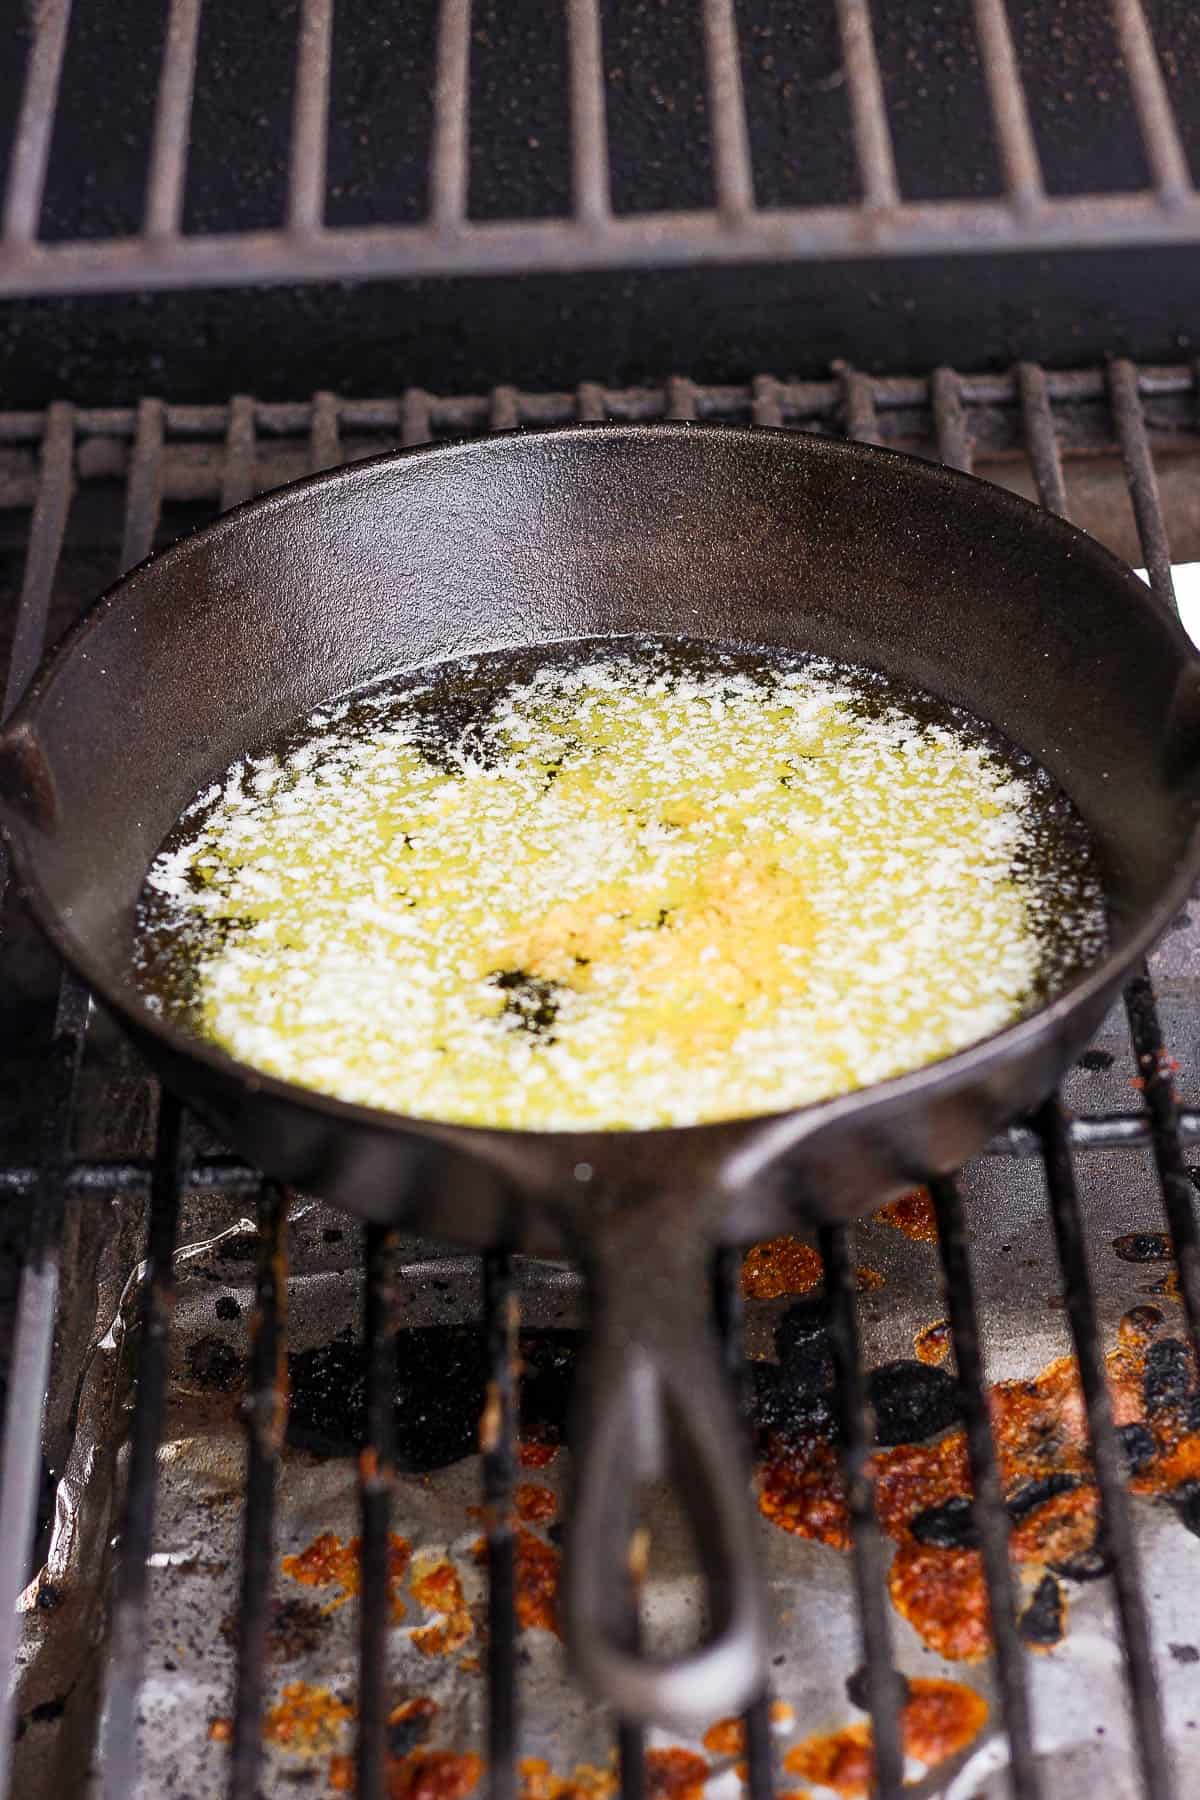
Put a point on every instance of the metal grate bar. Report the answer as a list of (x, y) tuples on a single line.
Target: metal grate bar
[(324, 436), (1117, 1525), (172, 120), (377, 1475), (504, 411), (310, 118), (237, 474), (266, 1421), (449, 246), (131, 1589), (1139, 473), (897, 398), (448, 163), (589, 402), (950, 420), (756, 1722), (498, 1434), (681, 398), (1042, 438), (589, 131), (882, 1682), (1154, 1068), (416, 426), (37, 1296), (872, 138), (858, 405), (32, 1347), (1162, 1104), (35, 125), (215, 1174), (1014, 135), (988, 1509), (631, 1760), (766, 406), (1164, 150), (727, 112), (143, 492), (51, 506)]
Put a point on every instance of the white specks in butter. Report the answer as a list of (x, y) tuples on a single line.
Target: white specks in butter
[(624, 890)]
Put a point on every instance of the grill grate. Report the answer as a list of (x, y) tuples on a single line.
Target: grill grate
[(245, 446), (732, 228)]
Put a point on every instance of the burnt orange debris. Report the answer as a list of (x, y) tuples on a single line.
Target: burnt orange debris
[(535, 1504), (1039, 1429), (913, 1214), (675, 1775), (932, 1343), (943, 1595), (421, 1775), (940, 1718), (534, 1455), (868, 1280), (306, 1719), (726, 1738), (328, 1562), (537, 1566), (782, 1265), (801, 1489), (585, 1782), (438, 1588), (220, 1731)]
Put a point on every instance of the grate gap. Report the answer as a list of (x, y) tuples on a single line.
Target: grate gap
[(866, 1541), (131, 1588), (376, 1479), (266, 1423), (1116, 1522), (988, 1510), (498, 1442)]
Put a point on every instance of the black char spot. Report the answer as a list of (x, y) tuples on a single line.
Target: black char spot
[(1143, 1247), (530, 1003), (1036, 1493), (1167, 1375), (911, 1401), (1042, 1620), (858, 1689), (948, 1526), (1138, 1446), (1187, 1502), (780, 1403)]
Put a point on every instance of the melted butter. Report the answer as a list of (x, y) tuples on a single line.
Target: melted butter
[(625, 894)]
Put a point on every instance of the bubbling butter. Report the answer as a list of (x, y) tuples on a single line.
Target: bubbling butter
[(618, 886)]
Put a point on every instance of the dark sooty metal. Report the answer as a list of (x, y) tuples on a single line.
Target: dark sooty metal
[(808, 544)]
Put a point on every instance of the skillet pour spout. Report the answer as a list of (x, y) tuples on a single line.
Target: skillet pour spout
[(737, 536)]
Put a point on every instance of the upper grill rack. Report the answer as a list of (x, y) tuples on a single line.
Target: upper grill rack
[(58, 1179), (880, 221)]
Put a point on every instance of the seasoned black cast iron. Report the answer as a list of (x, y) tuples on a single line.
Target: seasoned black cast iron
[(733, 535)]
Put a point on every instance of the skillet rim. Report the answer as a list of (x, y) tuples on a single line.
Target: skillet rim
[(944, 1074)]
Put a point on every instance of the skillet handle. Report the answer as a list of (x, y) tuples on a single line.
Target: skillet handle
[(656, 1403)]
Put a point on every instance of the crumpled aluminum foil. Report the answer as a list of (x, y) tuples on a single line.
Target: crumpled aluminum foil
[(1078, 1690)]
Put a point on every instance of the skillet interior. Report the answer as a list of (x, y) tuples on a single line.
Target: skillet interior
[(726, 534)]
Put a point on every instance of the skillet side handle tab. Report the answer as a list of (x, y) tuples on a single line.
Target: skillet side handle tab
[(656, 1404)]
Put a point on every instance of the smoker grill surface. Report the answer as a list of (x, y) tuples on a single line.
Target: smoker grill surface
[(572, 75), (95, 1144)]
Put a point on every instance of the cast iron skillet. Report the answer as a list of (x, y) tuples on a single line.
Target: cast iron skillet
[(735, 535)]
